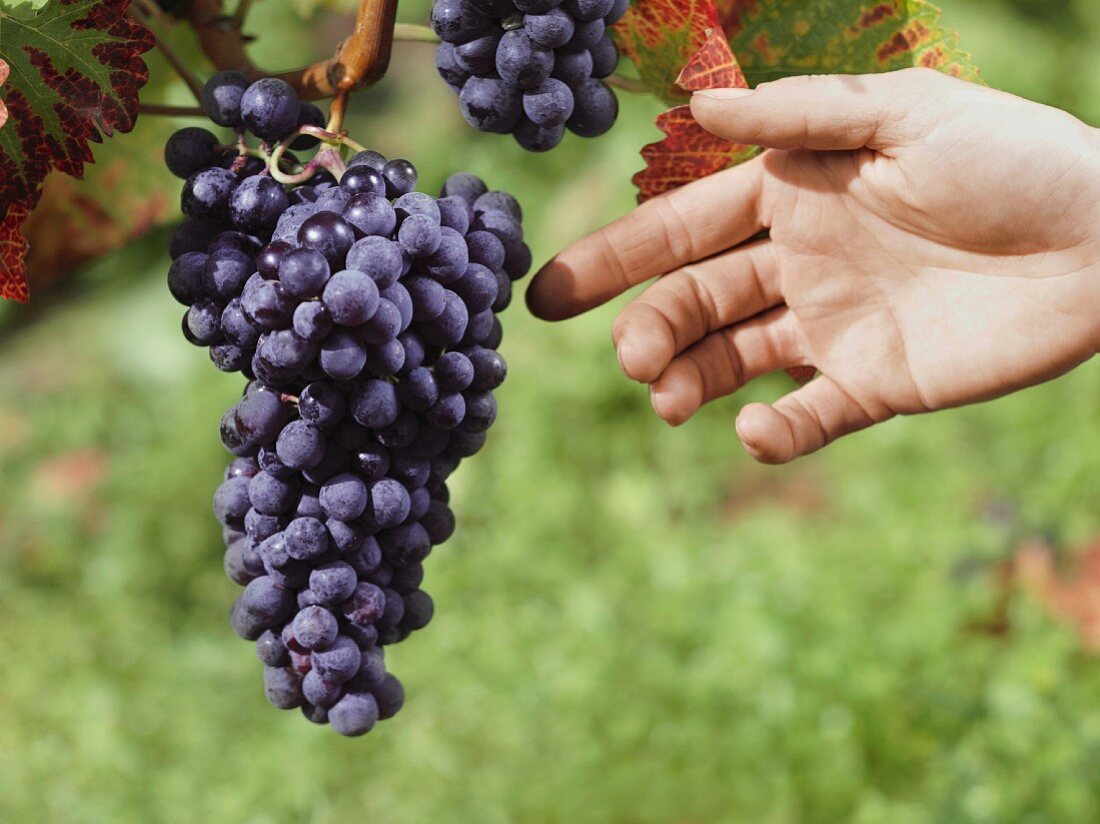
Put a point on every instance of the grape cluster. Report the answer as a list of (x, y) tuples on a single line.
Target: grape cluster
[(532, 68), (364, 315)]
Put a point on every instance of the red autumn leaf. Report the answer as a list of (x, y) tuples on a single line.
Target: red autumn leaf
[(660, 36), (689, 152), (76, 71), (13, 250), (712, 67)]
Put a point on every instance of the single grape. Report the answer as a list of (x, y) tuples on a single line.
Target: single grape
[(548, 104), (535, 138), (447, 67), (256, 204), (329, 234), (478, 56), (206, 194), (400, 177), (221, 98), (351, 297), (595, 109), (521, 62), (354, 714), (455, 21), (572, 67), (269, 108), (190, 150), (551, 30), (339, 663), (605, 57)]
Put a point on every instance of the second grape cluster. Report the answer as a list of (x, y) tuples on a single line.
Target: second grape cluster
[(531, 68)]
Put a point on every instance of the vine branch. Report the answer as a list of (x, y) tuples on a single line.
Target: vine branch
[(626, 84), (171, 111), (360, 59), (146, 14), (364, 57)]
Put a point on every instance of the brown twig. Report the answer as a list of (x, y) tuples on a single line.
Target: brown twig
[(626, 84), (143, 15), (224, 45), (241, 13), (171, 111), (363, 57)]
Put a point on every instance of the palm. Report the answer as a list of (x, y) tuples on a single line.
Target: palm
[(898, 300)]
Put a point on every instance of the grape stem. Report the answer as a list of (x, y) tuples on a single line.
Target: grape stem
[(171, 111), (412, 33), (364, 57), (627, 84)]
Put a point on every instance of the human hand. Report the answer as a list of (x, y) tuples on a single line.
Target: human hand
[(931, 243)]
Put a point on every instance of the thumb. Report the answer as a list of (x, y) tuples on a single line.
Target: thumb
[(820, 111)]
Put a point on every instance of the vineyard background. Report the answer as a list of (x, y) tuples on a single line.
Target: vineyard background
[(633, 623)]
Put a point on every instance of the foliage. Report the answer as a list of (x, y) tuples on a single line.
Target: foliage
[(76, 71), (674, 43)]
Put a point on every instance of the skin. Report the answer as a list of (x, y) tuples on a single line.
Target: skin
[(930, 243)]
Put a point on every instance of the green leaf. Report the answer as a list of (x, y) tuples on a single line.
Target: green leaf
[(76, 69), (659, 36), (778, 38)]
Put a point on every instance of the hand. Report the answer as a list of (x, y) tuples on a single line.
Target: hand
[(931, 243)]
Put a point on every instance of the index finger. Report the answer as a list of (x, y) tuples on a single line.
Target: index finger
[(683, 226)]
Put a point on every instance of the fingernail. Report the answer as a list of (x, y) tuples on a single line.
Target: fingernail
[(723, 94)]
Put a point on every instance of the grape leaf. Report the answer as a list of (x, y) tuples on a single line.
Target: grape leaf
[(76, 69), (688, 151), (659, 36), (777, 38)]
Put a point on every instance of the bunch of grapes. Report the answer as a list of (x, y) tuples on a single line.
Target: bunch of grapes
[(364, 315), (533, 68)]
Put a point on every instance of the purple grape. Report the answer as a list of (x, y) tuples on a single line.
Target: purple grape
[(447, 67), (315, 628), (189, 150), (478, 56), (221, 98), (329, 234), (551, 30), (270, 108), (369, 214), (206, 194), (256, 204), (595, 109), (354, 714), (456, 21), (490, 104), (400, 177)]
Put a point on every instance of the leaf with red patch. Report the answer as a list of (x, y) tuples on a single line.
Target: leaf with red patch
[(660, 36), (688, 151), (76, 69), (777, 38), (13, 250)]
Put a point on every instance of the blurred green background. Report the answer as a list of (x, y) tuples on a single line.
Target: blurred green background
[(633, 623)]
